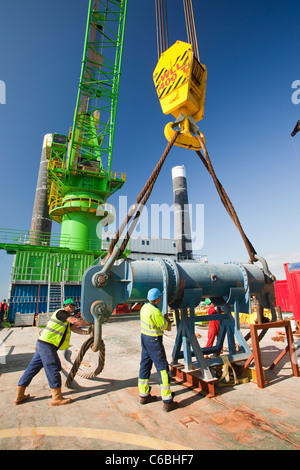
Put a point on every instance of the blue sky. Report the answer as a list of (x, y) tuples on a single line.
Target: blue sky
[(250, 49)]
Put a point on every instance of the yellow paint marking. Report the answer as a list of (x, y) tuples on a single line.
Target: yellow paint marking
[(102, 434)]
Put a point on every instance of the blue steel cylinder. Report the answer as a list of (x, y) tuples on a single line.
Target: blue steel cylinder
[(181, 283), (216, 280), (143, 276)]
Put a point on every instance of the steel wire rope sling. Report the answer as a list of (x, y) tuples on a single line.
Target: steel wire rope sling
[(76, 365), (234, 217), (137, 208), (225, 199)]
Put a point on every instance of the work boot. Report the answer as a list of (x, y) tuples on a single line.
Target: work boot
[(21, 397), (148, 399), (57, 398), (171, 406)]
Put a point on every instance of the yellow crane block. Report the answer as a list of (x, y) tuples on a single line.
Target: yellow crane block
[(180, 82)]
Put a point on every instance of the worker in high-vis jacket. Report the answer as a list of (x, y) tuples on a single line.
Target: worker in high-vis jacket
[(153, 324), (55, 336)]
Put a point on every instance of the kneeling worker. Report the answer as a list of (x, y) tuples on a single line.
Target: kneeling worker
[(153, 323), (56, 335)]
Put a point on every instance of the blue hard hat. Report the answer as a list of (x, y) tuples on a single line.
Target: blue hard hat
[(153, 294)]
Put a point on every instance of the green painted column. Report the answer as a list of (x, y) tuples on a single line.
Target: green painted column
[(79, 223), (79, 231)]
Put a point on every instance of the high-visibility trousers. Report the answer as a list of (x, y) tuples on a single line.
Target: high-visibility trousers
[(153, 352)]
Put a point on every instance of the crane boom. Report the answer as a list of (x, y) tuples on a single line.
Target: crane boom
[(80, 179), (94, 120)]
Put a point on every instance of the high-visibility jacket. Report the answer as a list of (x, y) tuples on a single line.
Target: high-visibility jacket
[(153, 322), (55, 330)]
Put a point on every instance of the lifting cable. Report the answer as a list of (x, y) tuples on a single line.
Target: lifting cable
[(140, 202), (191, 27), (146, 192), (84, 348), (224, 198), (162, 35)]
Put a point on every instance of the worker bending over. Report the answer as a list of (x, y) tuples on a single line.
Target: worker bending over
[(153, 324), (56, 335)]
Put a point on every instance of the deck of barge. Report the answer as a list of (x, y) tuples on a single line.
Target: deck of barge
[(106, 415)]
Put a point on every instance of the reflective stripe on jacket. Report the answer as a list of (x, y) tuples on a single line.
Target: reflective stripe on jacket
[(54, 332), (153, 322)]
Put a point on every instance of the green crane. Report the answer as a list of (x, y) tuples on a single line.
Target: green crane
[(77, 169), (80, 178)]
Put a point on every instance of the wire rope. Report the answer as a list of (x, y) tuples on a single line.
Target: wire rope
[(191, 27), (162, 34)]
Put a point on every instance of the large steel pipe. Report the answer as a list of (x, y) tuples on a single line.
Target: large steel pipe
[(181, 283)]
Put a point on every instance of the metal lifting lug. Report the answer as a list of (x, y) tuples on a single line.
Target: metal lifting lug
[(185, 139), (266, 270)]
